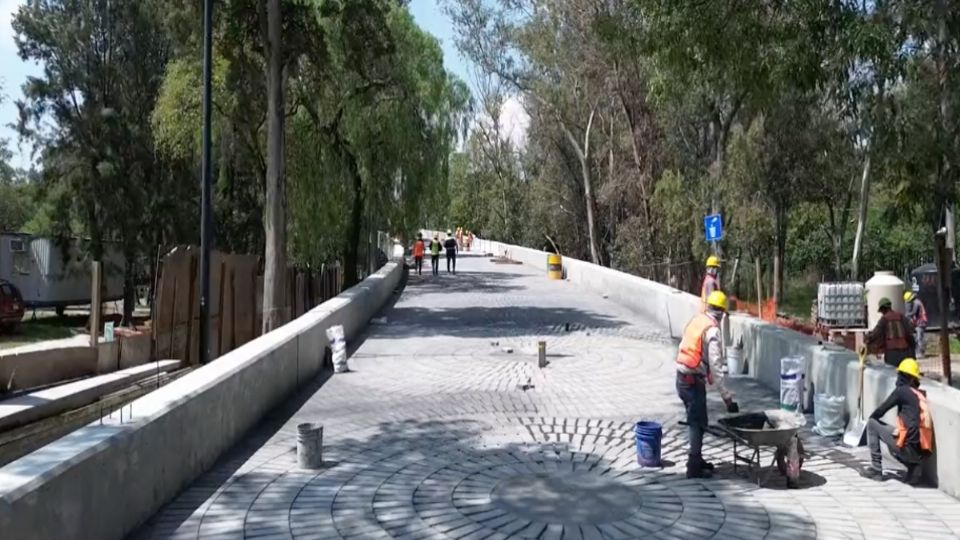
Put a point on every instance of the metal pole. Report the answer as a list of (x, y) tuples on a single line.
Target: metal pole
[(943, 297), (206, 232)]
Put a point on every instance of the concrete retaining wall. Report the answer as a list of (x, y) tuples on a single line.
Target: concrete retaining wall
[(829, 368), (39, 367), (102, 481)]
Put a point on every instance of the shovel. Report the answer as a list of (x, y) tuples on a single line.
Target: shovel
[(853, 437)]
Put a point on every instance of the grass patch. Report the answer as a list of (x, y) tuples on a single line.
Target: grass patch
[(42, 329), (798, 297)]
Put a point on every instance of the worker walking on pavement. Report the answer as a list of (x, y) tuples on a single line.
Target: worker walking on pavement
[(711, 280), (894, 334), (435, 254), (700, 362), (917, 315), (418, 250), (911, 440), (451, 245)]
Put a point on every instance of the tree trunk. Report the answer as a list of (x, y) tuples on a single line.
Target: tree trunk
[(274, 220), (583, 156), (129, 285), (778, 258), (862, 216), (351, 254)]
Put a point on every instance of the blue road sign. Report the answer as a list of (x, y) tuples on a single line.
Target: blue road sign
[(713, 227)]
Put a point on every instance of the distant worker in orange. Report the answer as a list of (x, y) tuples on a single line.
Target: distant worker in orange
[(894, 334), (418, 250), (711, 280)]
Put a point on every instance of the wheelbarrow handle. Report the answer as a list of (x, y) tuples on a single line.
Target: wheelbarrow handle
[(716, 431)]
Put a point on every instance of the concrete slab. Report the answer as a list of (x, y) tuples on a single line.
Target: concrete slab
[(34, 406)]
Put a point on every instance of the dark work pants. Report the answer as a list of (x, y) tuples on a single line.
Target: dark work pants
[(693, 393), (895, 356), (435, 263), (878, 431), (451, 260), (418, 263)]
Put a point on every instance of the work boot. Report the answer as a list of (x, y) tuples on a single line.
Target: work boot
[(914, 475), (706, 465), (872, 474), (698, 471)]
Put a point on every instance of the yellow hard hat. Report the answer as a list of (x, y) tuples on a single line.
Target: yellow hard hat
[(713, 261), (910, 367), (718, 300), (909, 295)]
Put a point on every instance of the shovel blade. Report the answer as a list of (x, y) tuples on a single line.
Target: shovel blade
[(853, 437)]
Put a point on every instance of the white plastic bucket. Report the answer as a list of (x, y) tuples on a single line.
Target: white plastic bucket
[(734, 361)]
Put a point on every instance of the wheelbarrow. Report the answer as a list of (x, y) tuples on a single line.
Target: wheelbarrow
[(756, 430)]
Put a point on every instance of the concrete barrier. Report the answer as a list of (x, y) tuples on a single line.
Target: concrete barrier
[(829, 369), (103, 481), (39, 366)]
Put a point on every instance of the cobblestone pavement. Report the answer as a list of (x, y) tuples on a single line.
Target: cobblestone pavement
[(441, 432)]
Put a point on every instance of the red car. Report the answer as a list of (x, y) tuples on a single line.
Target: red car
[(11, 305)]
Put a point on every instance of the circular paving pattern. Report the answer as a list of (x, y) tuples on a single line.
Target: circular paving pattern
[(568, 499), (586, 487)]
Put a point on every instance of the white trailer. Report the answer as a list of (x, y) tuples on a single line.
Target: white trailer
[(50, 276)]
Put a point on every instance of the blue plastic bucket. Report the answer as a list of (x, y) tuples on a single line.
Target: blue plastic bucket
[(648, 436)]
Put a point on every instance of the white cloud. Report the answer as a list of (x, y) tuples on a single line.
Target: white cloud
[(514, 121)]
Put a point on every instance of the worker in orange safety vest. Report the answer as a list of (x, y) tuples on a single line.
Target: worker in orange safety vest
[(700, 362), (910, 441), (711, 280), (894, 333), (418, 248)]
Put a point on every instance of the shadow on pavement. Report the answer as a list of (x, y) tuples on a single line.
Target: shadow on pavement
[(486, 322), (463, 281)]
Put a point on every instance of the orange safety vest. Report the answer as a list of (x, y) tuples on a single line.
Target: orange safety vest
[(690, 355), (896, 338), (925, 428), (921, 314), (418, 248)]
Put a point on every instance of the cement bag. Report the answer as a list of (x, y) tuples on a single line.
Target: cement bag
[(338, 346), (791, 383), (828, 413)]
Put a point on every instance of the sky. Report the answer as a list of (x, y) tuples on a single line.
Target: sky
[(13, 73), (427, 14)]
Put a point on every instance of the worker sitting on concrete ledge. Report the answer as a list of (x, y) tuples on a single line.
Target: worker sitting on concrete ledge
[(911, 440), (894, 334)]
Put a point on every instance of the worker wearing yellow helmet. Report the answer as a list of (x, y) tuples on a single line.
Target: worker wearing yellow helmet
[(711, 279), (700, 361), (917, 314), (910, 441)]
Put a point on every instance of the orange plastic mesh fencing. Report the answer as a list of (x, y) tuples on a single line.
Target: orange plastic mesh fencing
[(769, 308)]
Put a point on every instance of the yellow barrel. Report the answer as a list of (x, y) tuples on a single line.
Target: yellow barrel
[(554, 266)]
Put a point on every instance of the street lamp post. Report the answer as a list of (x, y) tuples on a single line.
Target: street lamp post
[(206, 226)]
